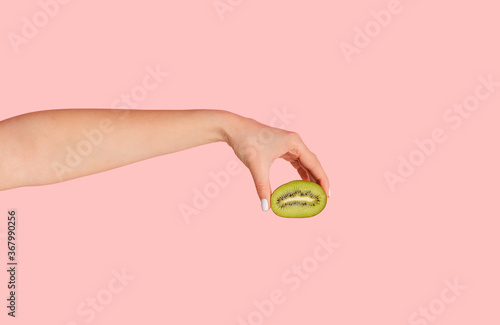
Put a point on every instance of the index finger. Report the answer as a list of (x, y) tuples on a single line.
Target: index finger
[(311, 162)]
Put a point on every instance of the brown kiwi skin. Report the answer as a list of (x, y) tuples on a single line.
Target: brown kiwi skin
[(310, 199)]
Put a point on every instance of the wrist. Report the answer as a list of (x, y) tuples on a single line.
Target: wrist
[(227, 124)]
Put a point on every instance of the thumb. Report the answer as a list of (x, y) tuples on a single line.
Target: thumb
[(260, 176)]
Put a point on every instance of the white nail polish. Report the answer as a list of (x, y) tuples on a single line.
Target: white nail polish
[(329, 193), (264, 205)]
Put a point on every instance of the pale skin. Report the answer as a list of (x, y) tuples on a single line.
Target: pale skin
[(33, 146)]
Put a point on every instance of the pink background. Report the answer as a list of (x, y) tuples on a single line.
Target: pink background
[(397, 248)]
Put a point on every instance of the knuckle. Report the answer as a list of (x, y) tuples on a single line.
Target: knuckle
[(260, 186), (295, 137)]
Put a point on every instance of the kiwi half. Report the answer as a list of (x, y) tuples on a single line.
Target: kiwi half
[(298, 199)]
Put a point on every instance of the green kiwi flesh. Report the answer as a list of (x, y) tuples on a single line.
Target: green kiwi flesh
[(298, 199)]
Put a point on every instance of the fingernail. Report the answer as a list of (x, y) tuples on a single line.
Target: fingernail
[(329, 193), (264, 205)]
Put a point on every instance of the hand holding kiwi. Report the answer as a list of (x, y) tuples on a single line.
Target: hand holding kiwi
[(150, 133), (258, 146)]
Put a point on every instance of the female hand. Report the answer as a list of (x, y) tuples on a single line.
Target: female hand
[(258, 146), (44, 147)]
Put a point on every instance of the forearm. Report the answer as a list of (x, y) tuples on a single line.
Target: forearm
[(51, 146)]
